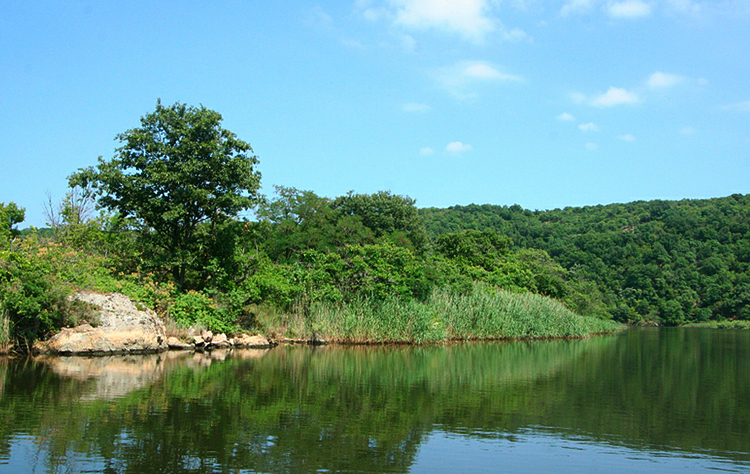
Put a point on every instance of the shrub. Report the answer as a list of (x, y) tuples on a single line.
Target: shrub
[(193, 308)]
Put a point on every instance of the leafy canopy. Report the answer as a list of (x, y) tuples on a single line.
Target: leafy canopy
[(178, 178)]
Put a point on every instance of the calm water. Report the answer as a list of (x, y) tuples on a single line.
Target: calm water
[(645, 400)]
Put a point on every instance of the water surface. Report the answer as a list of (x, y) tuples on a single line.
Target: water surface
[(645, 400)]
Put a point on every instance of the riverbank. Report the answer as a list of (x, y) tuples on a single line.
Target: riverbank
[(123, 326), (728, 324)]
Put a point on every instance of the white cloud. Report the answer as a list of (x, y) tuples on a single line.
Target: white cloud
[(319, 18), (350, 43), (628, 9), (374, 14), (408, 43), (516, 35), (660, 80), (413, 107), (471, 19), (577, 98), (460, 78), (615, 96), (687, 131), (483, 70), (591, 146), (738, 106), (458, 147), (685, 7), (627, 137), (565, 117), (576, 6), (588, 127), (426, 151), (468, 18), (522, 5)]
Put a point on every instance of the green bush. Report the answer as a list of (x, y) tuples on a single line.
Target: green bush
[(32, 296), (193, 308)]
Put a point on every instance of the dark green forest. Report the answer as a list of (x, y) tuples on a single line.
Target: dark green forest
[(653, 261)]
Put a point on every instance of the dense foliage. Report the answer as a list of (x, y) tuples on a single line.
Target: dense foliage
[(662, 261)]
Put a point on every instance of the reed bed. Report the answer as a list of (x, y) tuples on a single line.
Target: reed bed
[(487, 313)]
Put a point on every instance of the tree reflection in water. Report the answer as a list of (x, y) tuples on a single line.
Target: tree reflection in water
[(302, 409)]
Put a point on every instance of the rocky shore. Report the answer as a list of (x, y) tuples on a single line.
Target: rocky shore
[(126, 328)]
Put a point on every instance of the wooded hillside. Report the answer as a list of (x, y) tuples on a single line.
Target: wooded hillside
[(665, 261)]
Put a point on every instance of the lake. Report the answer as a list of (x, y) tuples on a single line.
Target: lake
[(644, 400)]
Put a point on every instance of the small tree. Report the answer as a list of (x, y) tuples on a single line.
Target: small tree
[(10, 215), (178, 178), (73, 221)]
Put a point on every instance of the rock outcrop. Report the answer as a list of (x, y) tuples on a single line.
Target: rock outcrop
[(124, 328), (248, 341)]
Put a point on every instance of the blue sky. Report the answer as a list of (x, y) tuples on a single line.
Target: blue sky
[(546, 104)]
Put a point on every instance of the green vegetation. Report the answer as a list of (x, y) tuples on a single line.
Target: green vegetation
[(666, 262), (725, 324), (485, 313), (169, 233)]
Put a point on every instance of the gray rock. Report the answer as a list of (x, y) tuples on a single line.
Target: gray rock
[(220, 341), (178, 345), (124, 328)]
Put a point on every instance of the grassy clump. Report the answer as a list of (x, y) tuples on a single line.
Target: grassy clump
[(490, 313), (486, 313)]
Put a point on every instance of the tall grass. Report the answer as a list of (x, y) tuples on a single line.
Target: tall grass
[(490, 313), (487, 313), (5, 335)]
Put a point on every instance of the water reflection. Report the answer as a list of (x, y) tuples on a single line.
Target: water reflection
[(381, 409)]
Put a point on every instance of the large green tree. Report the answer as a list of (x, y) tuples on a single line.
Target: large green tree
[(179, 178)]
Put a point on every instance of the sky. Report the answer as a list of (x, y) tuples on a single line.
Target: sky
[(545, 104)]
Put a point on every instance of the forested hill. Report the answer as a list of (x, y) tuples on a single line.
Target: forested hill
[(672, 261)]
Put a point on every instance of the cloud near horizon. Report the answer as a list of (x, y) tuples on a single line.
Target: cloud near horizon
[(414, 107), (426, 151), (662, 80), (588, 127), (458, 147), (460, 78), (628, 9), (576, 6), (738, 106), (615, 96)]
